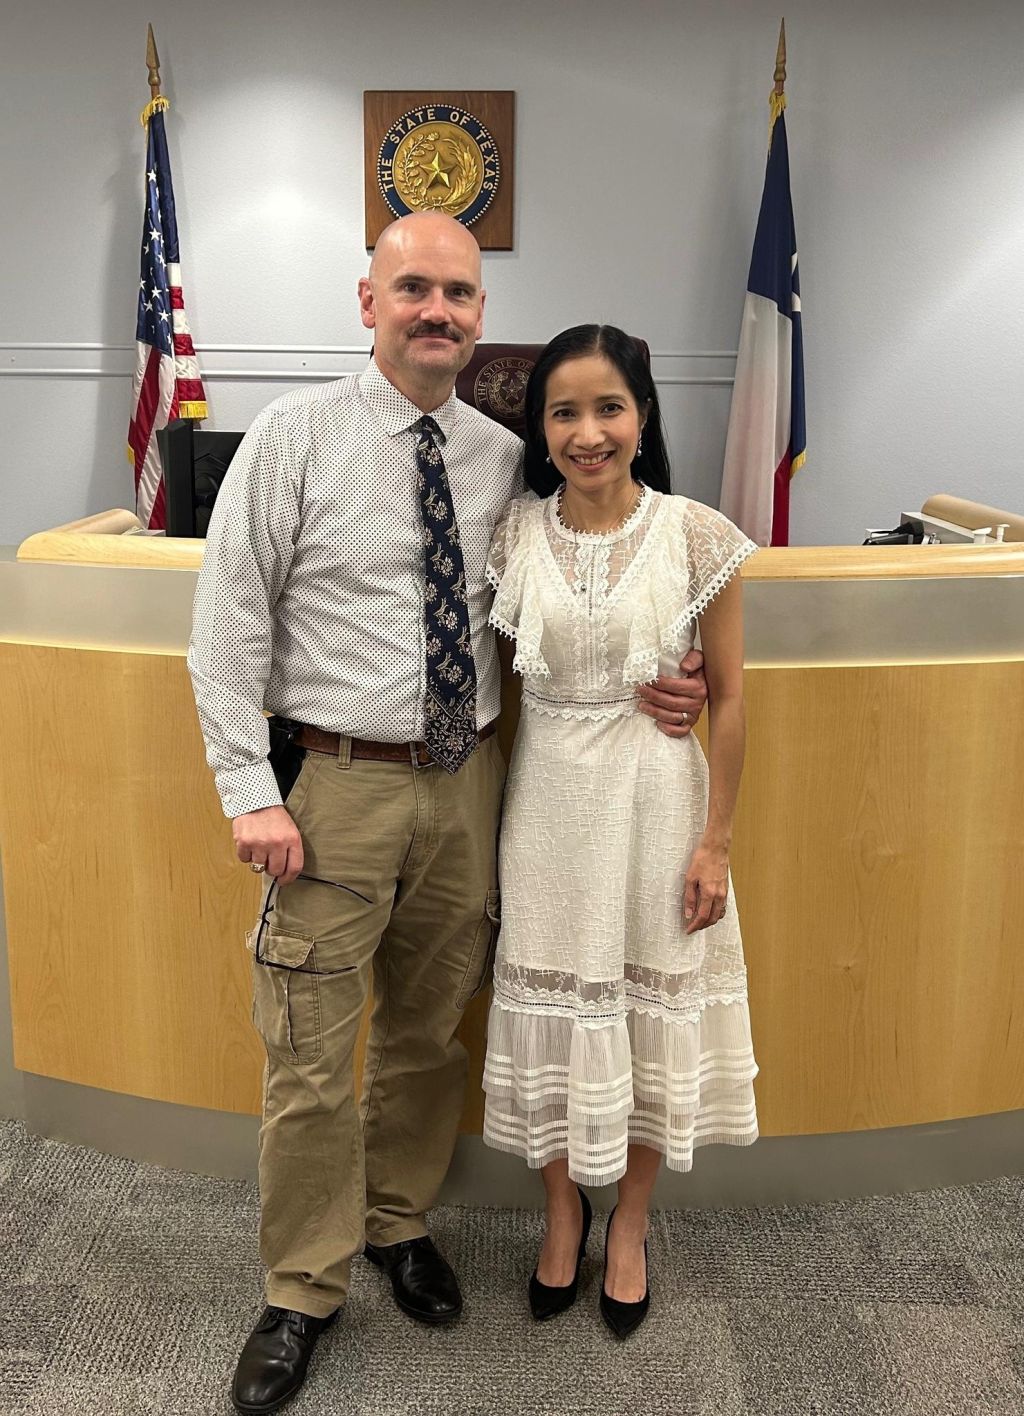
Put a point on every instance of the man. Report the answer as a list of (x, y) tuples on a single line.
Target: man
[(343, 589)]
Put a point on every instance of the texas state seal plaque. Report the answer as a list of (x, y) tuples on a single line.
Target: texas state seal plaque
[(448, 152)]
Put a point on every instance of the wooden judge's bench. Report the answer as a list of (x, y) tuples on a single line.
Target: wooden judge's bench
[(878, 862)]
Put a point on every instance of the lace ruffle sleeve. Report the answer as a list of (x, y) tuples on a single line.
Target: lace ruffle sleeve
[(503, 542), (515, 611), (715, 550), (698, 556)]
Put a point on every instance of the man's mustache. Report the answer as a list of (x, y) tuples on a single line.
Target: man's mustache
[(437, 332)]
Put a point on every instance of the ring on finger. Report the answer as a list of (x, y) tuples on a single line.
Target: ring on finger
[(256, 867), (686, 717)]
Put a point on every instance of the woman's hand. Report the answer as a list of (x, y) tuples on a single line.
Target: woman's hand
[(707, 886)]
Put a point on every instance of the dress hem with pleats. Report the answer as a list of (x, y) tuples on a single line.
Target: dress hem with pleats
[(560, 1087)]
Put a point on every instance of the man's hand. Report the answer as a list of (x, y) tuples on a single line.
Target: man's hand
[(677, 703), (271, 838)]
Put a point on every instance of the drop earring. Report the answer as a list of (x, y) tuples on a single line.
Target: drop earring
[(640, 444)]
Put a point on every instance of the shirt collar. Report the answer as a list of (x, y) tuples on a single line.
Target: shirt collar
[(395, 412)]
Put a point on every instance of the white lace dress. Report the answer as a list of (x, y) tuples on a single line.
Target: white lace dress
[(609, 1025)]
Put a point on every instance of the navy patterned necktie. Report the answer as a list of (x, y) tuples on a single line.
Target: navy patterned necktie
[(450, 731)]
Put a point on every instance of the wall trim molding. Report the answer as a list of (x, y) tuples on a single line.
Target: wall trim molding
[(363, 349), (285, 375), (289, 363)]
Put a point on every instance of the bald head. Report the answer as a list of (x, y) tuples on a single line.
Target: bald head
[(424, 302), (430, 229)]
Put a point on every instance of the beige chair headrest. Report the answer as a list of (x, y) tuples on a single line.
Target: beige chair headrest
[(974, 514)]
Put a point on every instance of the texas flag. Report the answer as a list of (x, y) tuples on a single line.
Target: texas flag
[(767, 440)]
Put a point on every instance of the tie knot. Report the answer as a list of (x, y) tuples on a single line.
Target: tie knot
[(426, 426)]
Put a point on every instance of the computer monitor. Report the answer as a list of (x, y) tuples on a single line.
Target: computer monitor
[(194, 466)]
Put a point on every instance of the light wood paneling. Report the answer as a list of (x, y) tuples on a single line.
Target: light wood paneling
[(114, 522), (877, 862), (126, 909), (99, 540), (882, 562), (126, 906), (99, 548), (878, 867)]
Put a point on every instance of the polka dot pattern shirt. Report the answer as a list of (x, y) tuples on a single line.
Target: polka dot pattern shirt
[(310, 601)]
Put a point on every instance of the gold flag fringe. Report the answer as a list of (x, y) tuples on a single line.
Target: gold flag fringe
[(192, 410), (776, 103), (156, 105)]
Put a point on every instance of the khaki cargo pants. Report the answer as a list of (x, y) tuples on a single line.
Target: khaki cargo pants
[(399, 879)]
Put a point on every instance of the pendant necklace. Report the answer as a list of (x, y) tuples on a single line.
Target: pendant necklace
[(579, 584)]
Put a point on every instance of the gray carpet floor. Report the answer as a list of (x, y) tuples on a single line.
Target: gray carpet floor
[(126, 1290)]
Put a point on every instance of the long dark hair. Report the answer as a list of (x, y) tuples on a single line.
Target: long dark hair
[(631, 359)]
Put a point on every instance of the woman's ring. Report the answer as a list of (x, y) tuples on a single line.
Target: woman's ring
[(256, 868)]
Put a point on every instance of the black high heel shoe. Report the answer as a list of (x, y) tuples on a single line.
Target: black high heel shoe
[(546, 1301), (623, 1318)]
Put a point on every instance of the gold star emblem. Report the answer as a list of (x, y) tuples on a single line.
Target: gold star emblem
[(437, 173), (439, 167)]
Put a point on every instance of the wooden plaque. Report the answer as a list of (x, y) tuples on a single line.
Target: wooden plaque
[(447, 150)]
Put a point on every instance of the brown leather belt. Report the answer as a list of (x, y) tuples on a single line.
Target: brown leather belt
[(317, 740)]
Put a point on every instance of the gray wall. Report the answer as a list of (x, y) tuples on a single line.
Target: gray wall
[(641, 136)]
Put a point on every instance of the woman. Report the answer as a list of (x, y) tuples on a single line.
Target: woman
[(619, 1030)]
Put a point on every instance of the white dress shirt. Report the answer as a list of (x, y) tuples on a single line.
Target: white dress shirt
[(310, 601)]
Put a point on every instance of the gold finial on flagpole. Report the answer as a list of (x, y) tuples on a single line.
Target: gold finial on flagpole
[(157, 103), (153, 64), (777, 98), (780, 60)]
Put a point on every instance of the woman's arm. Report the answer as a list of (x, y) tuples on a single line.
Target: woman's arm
[(721, 634)]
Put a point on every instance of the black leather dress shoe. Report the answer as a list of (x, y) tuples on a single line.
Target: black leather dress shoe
[(421, 1280), (273, 1363)]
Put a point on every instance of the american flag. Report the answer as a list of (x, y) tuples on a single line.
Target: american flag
[(167, 383), (767, 439)]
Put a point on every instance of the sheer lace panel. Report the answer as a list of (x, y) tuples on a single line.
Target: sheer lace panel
[(677, 997), (594, 613)]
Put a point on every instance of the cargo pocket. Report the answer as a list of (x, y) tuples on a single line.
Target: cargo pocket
[(286, 995), (481, 958)]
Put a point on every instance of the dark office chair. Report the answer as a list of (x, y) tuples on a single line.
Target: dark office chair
[(494, 381)]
